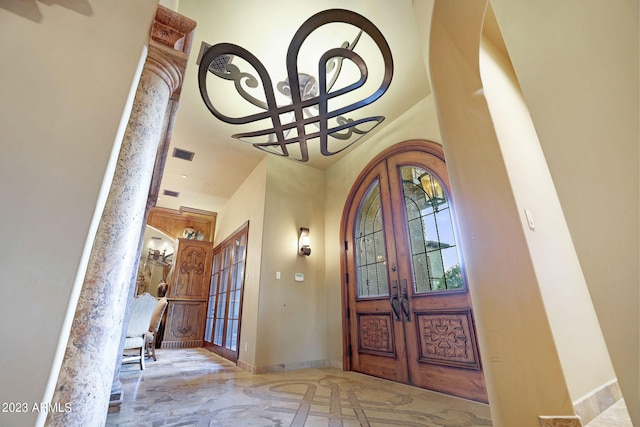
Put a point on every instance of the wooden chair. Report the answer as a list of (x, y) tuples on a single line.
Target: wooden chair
[(156, 318), (141, 311)]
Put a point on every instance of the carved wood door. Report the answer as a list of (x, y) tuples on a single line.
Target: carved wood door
[(184, 324), (409, 313)]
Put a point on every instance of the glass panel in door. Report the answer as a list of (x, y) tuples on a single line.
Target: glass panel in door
[(434, 255), (213, 292), (237, 278), (222, 297), (371, 260)]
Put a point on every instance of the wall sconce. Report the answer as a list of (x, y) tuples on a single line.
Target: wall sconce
[(303, 242)]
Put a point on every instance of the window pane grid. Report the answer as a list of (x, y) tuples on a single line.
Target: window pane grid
[(430, 230), (223, 315), (213, 292), (369, 242)]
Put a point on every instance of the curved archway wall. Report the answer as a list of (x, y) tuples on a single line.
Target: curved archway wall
[(538, 331), (578, 65), (536, 337)]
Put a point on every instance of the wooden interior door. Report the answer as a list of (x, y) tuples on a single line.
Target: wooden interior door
[(184, 324), (428, 301)]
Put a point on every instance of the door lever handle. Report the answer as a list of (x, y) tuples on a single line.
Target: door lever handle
[(395, 303), (404, 302)]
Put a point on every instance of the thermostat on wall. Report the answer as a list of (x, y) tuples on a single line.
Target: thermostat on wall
[(299, 277)]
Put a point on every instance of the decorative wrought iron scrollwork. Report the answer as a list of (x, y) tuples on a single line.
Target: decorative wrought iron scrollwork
[(309, 104)]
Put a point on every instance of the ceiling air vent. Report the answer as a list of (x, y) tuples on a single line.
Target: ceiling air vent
[(170, 193), (219, 63), (183, 154)]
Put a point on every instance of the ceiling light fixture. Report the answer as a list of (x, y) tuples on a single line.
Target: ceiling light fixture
[(327, 90)]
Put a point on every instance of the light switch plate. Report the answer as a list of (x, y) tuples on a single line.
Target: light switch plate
[(527, 213)]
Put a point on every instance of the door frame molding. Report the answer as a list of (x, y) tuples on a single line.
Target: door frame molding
[(224, 352), (418, 145)]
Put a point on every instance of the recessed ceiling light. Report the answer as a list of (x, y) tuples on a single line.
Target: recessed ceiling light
[(184, 175)]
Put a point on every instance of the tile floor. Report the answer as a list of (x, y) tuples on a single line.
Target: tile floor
[(616, 416), (194, 387)]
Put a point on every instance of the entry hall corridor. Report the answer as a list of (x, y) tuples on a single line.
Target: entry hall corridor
[(194, 387)]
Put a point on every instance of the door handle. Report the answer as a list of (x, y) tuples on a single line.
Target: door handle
[(395, 303), (404, 302)]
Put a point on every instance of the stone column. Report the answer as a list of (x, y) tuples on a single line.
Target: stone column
[(84, 382)]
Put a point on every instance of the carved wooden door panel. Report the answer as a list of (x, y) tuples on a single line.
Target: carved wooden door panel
[(184, 324), (428, 300), (191, 269)]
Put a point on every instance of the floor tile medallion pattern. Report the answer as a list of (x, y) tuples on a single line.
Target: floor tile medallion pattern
[(193, 387)]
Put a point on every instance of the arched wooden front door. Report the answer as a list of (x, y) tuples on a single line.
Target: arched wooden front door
[(408, 314)]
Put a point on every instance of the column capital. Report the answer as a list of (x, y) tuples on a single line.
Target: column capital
[(169, 47), (168, 64), (172, 29)]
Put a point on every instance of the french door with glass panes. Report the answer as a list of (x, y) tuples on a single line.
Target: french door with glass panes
[(222, 329), (408, 314)]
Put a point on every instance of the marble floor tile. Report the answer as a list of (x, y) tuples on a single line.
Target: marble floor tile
[(616, 416), (194, 387)]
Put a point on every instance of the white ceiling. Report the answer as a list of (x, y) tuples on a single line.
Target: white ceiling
[(221, 163)]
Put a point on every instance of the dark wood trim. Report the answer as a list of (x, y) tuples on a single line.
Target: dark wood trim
[(172, 222), (233, 235), (420, 145)]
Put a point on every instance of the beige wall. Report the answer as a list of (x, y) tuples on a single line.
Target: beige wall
[(538, 334), (283, 321), (292, 315), (577, 63), (247, 204), (66, 90), (522, 370), (563, 289)]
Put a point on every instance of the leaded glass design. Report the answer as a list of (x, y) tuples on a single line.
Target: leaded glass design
[(213, 292), (371, 262), (223, 295), (434, 255), (237, 275)]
